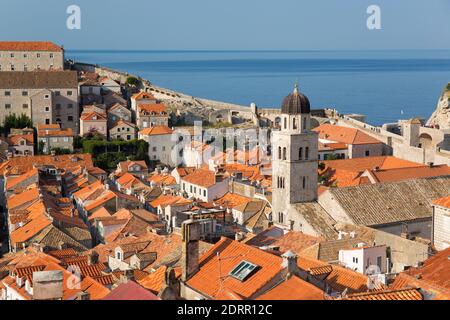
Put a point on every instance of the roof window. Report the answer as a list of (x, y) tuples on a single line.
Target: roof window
[(243, 270)]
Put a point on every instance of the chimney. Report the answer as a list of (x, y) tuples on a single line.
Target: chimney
[(93, 258), (190, 248), (83, 295), (48, 285), (431, 164), (290, 263), (61, 245)]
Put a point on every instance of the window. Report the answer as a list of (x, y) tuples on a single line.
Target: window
[(38, 67), (57, 93), (300, 153), (118, 256), (47, 121), (25, 106), (47, 96), (280, 217), (7, 93), (306, 153), (66, 139), (243, 270), (25, 55), (70, 118), (190, 189), (367, 153), (304, 182), (284, 153), (25, 67), (54, 139), (128, 137), (163, 148), (70, 106), (11, 55), (285, 123), (379, 262), (154, 149), (294, 124), (69, 93), (12, 67), (204, 193), (24, 93), (51, 55), (8, 106), (47, 109), (58, 106), (304, 124), (279, 153)]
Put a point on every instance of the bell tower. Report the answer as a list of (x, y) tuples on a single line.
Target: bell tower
[(295, 157)]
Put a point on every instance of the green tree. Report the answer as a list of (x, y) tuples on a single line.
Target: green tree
[(132, 82), (12, 121), (41, 145)]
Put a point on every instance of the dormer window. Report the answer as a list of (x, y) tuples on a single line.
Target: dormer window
[(119, 255), (243, 270)]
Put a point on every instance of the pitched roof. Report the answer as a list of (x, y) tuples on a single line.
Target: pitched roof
[(400, 174), (155, 281), (216, 264), (405, 281), (443, 202), (29, 46), (142, 95), (130, 291), (157, 109), (401, 294), (384, 203), (232, 200), (165, 200), (38, 80), (201, 177), (293, 289), (276, 238), (93, 116), (156, 130), (16, 138), (68, 132), (344, 135)]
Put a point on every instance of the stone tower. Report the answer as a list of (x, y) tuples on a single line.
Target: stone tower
[(295, 154)]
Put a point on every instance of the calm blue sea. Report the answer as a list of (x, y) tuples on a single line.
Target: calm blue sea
[(384, 85)]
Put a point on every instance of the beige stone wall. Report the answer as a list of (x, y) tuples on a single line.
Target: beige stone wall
[(62, 105), (88, 125), (151, 121), (31, 60), (57, 142), (441, 227), (123, 132), (359, 150)]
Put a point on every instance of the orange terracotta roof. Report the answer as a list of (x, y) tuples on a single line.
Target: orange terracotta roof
[(293, 289), (216, 264), (56, 133), (401, 294), (165, 200), (93, 116), (344, 135), (29, 46), (201, 177), (30, 229), (122, 122), (84, 193), (142, 95), (162, 179), (105, 197), (157, 130), (399, 174), (16, 138), (404, 281), (443, 202), (19, 199), (13, 181), (231, 200), (125, 165), (99, 213), (155, 281), (20, 165), (156, 109)]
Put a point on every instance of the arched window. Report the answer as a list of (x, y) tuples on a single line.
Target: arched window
[(279, 153), (294, 124), (300, 153), (280, 217), (304, 182), (304, 124), (307, 153), (284, 153), (285, 122)]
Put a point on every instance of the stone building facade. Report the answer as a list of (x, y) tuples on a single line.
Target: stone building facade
[(441, 223), (30, 56), (295, 152), (47, 97)]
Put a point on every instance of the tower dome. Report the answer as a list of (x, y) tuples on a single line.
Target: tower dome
[(295, 103)]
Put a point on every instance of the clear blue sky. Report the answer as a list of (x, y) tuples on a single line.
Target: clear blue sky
[(230, 24)]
